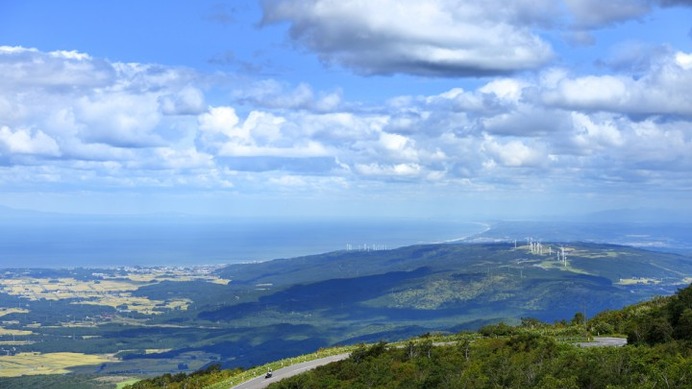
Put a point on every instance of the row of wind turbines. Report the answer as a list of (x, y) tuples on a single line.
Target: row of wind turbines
[(537, 248)]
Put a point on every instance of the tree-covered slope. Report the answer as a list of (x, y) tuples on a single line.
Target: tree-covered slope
[(365, 295), (531, 355)]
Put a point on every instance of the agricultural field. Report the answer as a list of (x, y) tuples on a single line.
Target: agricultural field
[(51, 363), (8, 311), (106, 288)]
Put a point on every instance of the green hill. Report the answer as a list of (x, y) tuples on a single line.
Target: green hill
[(531, 355), (365, 296)]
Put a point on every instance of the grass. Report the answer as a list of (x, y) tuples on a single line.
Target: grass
[(6, 331), (123, 384), (50, 363)]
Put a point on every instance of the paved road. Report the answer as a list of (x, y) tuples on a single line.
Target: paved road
[(604, 341), (289, 371)]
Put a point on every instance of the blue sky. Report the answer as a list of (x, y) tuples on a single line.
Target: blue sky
[(441, 108)]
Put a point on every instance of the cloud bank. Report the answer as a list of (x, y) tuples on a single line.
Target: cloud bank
[(105, 124)]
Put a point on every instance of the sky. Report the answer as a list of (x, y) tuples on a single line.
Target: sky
[(346, 108)]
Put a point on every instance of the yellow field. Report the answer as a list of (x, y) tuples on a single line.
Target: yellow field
[(5, 331), (16, 342), (52, 363), (107, 290), (139, 304), (7, 311)]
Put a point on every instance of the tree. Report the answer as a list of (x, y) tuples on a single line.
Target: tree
[(578, 319), (683, 329)]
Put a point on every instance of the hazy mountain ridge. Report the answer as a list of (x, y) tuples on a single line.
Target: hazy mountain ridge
[(369, 295)]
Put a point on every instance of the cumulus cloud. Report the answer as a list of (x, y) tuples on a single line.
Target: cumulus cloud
[(397, 170), (80, 101), (22, 141), (434, 38), (661, 90), (152, 126), (441, 38), (31, 68), (260, 134), (513, 153)]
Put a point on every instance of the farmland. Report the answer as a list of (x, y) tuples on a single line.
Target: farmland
[(105, 288), (51, 363)]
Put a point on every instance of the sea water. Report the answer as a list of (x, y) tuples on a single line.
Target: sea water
[(83, 242)]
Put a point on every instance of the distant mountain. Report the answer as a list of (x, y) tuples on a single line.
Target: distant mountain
[(13, 213)]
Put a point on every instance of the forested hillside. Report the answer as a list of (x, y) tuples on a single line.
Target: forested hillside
[(531, 355), (660, 355)]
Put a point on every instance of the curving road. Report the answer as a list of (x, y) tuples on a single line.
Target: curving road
[(289, 371)]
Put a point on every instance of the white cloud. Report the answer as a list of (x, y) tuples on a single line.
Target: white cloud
[(592, 91), (260, 134), (398, 146), (182, 159), (591, 136), (504, 88), (438, 38), (396, 170), (22, 141), (513, 153), (139, 123), (119, 119), (663, 89), (222, 120), (684, 60), (90, 106), (31, 68)]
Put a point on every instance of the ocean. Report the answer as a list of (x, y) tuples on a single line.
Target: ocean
[(169, 241)]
